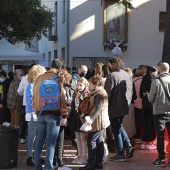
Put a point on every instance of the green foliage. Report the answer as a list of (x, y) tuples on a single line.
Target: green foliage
[(127, 3), (23, 20)]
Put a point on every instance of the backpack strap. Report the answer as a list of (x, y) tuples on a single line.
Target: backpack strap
[(165, 90), (54, 77), (137, 79)]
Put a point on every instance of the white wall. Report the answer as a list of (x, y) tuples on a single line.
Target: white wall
[(145, 42), (47, 47)]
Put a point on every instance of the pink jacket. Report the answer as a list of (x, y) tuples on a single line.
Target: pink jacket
[(138, 101)]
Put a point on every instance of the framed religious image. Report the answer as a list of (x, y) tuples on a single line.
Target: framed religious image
[(115, 22)]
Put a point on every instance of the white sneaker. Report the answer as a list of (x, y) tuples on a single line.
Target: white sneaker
[(65, 167), (22, 141), (104, 161), (151, 147), (81, 161), (75, 160), (143, 146)]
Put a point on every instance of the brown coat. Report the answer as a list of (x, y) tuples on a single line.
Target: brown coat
[(36, 97), (102, 121)]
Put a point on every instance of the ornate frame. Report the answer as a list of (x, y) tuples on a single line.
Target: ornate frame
[(115, 22)]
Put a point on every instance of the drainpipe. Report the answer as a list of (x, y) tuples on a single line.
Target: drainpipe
[(68, 35)]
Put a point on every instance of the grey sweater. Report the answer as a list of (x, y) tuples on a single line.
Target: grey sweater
[(157, 96), (119, 88)]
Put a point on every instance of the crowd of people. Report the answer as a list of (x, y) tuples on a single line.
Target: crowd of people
[(124, 107)]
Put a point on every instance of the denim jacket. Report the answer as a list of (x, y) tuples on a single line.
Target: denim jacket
[(29, 93)]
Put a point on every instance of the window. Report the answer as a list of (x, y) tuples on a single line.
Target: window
[(162, 16), (55, 54), (64, 6), (63, 53), (49, 58)]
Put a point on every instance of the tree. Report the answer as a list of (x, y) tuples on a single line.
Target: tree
[(166, 45), (23, 20)]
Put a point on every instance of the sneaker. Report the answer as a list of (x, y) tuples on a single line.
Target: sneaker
[(130, 151), (55, 166), (65, 167), (22, 141), (104, 161), (75, 160), (81, 161), (151, 147), (143, 146), (118, 158), (158, 162), (30, 162), (88, 167), (138, 140)]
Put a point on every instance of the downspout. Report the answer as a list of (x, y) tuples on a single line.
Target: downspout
[(68, 35)]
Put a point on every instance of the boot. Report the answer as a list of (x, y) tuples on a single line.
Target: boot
[(30, 162), (98, 166), (111, 145), (88, 167)]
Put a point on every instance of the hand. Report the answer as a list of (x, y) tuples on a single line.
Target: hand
[(1, 106), (63, 121)]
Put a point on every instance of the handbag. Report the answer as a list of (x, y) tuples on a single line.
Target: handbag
[(84, 105)]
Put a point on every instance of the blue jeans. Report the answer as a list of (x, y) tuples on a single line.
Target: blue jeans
[(48, 127), (120, 134), (32, 130)]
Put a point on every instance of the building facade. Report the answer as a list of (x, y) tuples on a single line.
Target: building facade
[(81, 28)]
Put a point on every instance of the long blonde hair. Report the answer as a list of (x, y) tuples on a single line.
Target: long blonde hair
[(98, 69), (35, 71)]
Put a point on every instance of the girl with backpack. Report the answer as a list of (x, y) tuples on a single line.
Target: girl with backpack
[(75, 120)]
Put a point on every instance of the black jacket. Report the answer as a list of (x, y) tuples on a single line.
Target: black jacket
[(145, 87), (5, 86)]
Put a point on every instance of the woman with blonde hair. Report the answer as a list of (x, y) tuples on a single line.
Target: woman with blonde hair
[(30, 116), (75, 120)]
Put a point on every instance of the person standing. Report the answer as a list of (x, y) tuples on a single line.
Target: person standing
[(119, 89), (4, 87), (22, 92), (148, 135), (30, 115), (99, 118), (159, 97), (14, 101), (48, 121)]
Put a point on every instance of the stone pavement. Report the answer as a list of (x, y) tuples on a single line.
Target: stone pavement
[(141, 161)]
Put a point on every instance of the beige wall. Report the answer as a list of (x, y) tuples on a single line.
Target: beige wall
[(145, 42)]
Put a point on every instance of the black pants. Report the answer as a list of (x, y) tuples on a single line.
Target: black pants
[(149, 129), (95, 147), (138, 122), (23, 124), (59, 147), (160, 121)]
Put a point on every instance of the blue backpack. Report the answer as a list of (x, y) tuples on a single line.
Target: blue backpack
[(49, 95)]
